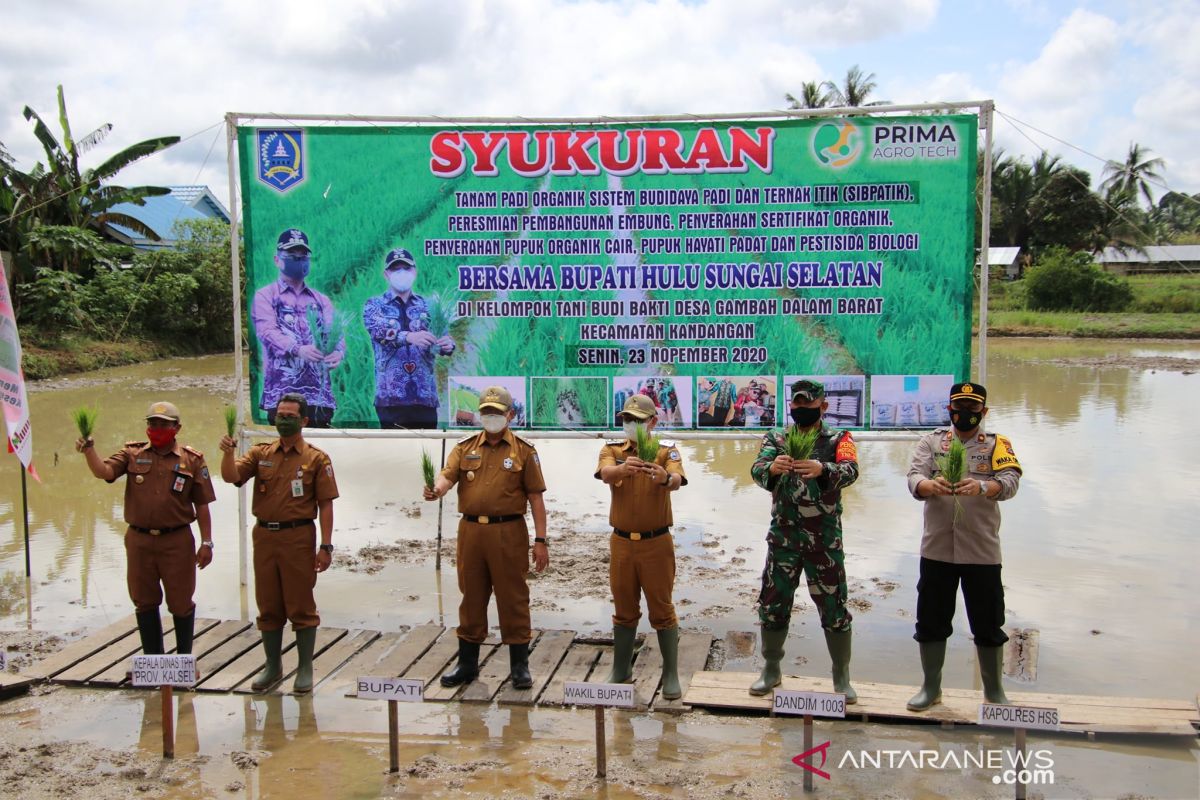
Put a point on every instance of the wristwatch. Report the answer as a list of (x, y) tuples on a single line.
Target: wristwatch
[(982, 489), (540, 540), (328, 548), (207, 543)]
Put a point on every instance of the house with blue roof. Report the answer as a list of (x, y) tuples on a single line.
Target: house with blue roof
[(160, 214)]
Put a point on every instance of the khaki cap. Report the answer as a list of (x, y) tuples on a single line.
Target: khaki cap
[(495, 397), (639, 406), (161, 410)]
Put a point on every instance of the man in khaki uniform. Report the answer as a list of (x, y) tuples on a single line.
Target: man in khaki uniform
[(963, 544), (641, 549), (167, 487), (498, 474), (293, 486)]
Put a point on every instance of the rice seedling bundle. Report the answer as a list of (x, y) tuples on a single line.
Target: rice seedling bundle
[(85, 420), (647, 444), (799, 443), (427, 469), (442, 309), (325, 339), (953, 466), (230, 420)]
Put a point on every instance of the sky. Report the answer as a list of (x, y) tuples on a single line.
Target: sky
[(1093, 75)]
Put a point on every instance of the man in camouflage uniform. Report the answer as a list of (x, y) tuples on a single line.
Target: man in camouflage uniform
[(805, 536), (962, 543)]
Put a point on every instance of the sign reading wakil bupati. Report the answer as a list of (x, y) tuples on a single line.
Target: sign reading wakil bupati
[(165, 670), (395, 271), (815, 704), (1028, 717), (599, 694), (404, 690)]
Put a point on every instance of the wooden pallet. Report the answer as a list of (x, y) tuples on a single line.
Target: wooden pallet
[(885, 701)]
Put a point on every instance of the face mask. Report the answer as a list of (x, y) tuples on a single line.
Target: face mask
[(806, 417), (401, 280), (160, 437), (631, 429), (295, 267), (965, 420), (288, 426), (493, 423)]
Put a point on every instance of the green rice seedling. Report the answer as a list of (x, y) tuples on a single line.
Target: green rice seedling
[(647, 444), (443, 312), (799, 443), (953, 466), (85, 420), (325, 339), (427, 469), (230, 420)]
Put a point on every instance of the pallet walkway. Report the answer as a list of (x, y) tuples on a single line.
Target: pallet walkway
[(229, 655)]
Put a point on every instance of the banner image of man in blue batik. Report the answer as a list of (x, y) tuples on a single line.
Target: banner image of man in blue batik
[(398, 323)]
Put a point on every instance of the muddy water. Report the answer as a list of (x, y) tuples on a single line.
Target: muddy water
[(1099, 557)]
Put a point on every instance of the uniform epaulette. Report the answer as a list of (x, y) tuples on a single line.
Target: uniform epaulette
[(193, 451), (666, 442), (524, 441), (615, 442), (468, 438), (136, 444)]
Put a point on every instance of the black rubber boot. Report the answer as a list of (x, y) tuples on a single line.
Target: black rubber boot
[(468, 665), (518, 666), (185, 627), (150, 628)]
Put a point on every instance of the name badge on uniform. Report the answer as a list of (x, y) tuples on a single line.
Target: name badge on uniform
[(297, 488), (145, 461), (179, 483)]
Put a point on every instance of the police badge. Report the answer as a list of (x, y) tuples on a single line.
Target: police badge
[(281, 158)]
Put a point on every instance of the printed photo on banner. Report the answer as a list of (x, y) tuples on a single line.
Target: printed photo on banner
[(671, 395), (569, 403), (910, 401), (846, 395), (464, 393), (736, 401)]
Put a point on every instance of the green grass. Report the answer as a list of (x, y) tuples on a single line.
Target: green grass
[(569, 402), (1103, 326)]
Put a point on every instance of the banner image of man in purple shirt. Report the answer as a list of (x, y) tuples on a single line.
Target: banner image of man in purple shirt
[(398, 323), (296, 358)]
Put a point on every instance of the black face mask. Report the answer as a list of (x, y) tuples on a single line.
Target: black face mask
[(806, 417), (964, 420)]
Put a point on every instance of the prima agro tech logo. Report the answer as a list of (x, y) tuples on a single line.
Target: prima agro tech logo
[(837, 143)]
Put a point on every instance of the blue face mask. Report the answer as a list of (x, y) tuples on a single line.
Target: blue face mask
[(295, 267)]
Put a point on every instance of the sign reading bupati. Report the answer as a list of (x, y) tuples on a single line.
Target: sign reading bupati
[(396, 271)]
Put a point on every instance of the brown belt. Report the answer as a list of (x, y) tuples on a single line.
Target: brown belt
[(637, 536), (278, 526), (158, 531), (486, 520)]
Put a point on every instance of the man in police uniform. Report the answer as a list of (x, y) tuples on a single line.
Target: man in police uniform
[(293, 486), (964, 546), (805, 537), (641, 550), (167, 487), (498, 473)]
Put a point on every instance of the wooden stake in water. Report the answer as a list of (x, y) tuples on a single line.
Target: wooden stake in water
[(1019, 746), (393, 736), (168, 721), (808, 739), (601, 756)]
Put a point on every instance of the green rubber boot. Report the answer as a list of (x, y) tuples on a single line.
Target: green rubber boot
[(668, 643), (838, 643), (623, 641), (933, 656), (306, 642), (772, 653), (272, 642), (991, 671)]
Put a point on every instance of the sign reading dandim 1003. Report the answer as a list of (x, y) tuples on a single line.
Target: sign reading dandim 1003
[(395, 272)]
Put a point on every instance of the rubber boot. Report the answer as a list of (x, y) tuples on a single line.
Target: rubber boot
[(772, 653), (838, 643), (184, 628), (150, 629), (272, 642), (306, 642), (518, 666), (623, 641), (991, 671), (468, 665), (668, 643), (933, 656)]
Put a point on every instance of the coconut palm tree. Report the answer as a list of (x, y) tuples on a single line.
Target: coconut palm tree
[(1135, 175), (811, 96), (853, 93)]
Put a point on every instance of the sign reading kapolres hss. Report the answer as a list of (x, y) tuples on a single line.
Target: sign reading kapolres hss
[(394, 272)]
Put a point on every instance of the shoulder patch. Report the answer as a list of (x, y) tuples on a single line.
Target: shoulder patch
[(193, 451), (1003, 456), (614, 442), (136, 444), (846, 449), (667, 443)]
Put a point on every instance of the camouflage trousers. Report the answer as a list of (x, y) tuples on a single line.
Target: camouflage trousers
[(825, 568)]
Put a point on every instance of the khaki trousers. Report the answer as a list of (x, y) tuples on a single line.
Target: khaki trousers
[(646, 566), (169, 560), (284, 576), (493, 558)]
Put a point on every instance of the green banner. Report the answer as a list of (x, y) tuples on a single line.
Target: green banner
[(395, 272)]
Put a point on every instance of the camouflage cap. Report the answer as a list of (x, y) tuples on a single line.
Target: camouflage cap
[(639, 406), (495, 397), (968, 391), (805, 391), (161, 410)]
